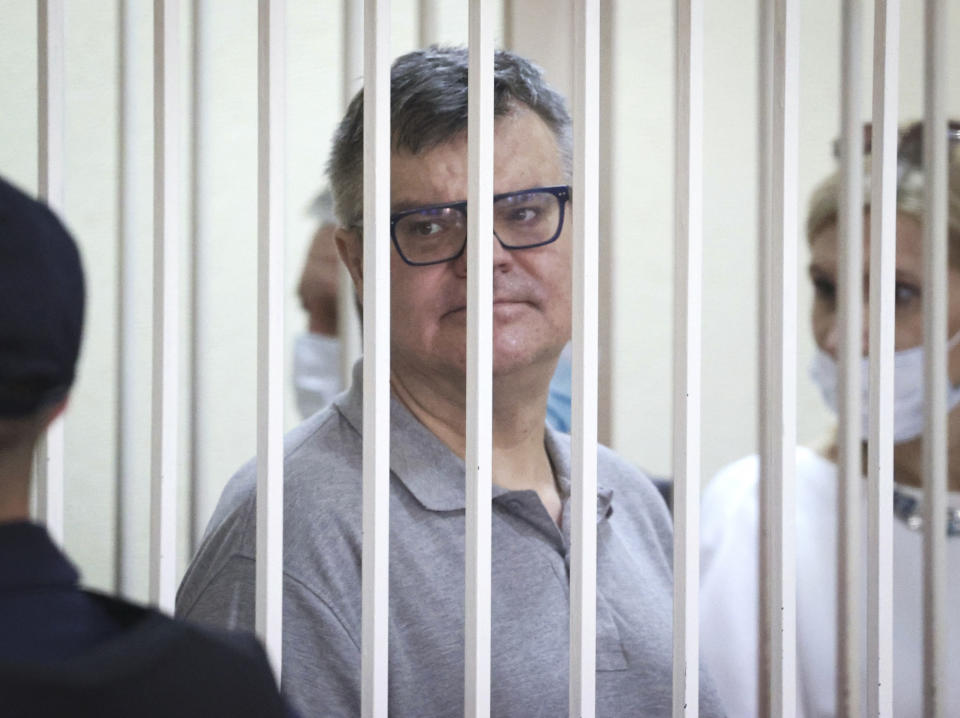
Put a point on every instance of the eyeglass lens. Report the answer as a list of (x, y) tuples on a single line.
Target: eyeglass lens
[(439, 234)]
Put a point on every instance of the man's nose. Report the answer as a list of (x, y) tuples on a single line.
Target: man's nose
[(502, 257)]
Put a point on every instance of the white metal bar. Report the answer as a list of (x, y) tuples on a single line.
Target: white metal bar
[(271, 144), (880, 452), (348, 323), (784, 370), (607, 265), (850, 320), (376, 357), (429, 30), (127, 204), (936, 163), (479, 472), (199, 94), (508, 18), (50, 120), (166, 296), (765, 431), (583, 445), (687, 307)]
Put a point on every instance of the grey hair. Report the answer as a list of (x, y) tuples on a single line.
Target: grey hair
[(321, 208), (428, 106), (824, 204)]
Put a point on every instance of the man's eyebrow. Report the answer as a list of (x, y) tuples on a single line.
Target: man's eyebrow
[(404, 205)]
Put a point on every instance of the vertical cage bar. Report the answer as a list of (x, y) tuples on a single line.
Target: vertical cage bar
[(687, 307), (607, 268), (199, 92), (782, 409), (166, 297), (271, 68), (880, 452), (50, 120), (429, 28), (128, 205), (850, 320), (764, 344), (935, 161), (376, 357), (479, 478), (509, 34), (583, 445), (348, 323)]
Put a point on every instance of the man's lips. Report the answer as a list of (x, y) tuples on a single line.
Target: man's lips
[(505, 302)]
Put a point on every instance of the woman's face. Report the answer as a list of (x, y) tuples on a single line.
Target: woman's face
[(909, 290)]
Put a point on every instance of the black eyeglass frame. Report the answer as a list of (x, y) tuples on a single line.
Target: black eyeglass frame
[(563, 193)]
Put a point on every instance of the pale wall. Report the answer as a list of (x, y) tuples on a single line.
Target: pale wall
[(640, 243)]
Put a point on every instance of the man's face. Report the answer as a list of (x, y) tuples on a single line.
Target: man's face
[(531, 287)]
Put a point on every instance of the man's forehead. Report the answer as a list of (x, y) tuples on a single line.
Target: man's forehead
[(526, 155)]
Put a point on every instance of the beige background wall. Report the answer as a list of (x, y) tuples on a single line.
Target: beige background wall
[(639, 243)]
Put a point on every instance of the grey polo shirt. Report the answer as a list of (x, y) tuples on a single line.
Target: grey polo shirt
[(530, 578)]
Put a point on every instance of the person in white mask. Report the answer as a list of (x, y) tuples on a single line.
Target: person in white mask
[(729, 515), (316, 351)]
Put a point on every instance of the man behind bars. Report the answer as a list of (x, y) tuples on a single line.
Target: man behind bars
[(65, 651), (531, 463)]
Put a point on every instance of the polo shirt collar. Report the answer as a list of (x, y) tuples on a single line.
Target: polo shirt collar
[(430, 470)]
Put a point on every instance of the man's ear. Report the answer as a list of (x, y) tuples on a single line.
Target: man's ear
[(350, 249)]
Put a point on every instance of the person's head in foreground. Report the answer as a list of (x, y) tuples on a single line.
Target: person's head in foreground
[(822, 233), (41, 317), (65, 650), (428, 188)]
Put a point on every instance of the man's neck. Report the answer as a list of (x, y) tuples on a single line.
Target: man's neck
[(14, 487), (520, 460)]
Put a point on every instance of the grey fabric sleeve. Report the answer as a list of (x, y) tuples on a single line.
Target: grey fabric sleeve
[(321, 660)]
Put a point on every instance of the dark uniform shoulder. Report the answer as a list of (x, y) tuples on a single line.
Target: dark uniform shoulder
[(156, 666)]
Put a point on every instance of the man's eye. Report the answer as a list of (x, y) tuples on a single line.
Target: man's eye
[(427, 229), (524, 214)]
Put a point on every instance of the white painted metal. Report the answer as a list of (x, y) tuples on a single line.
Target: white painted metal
[(583, 444), (166, 297), (479, 439), (348, 323), (782, 408), (429, 22), (376, 358), (128, 192), (935, 161), (687, 308), (765, 355), (50, 120), (199, 108), (880, 452), (850, 321), (270, 295), (606, 279)]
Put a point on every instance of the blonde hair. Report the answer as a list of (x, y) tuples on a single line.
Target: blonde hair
[(825, 201)]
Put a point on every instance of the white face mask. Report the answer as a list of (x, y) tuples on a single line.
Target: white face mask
[(316, 371), (908, 380)]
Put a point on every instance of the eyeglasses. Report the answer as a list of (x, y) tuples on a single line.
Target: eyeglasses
[(524, 219), (909, 145)]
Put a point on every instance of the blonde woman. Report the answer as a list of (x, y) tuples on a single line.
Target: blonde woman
[(729, 528)]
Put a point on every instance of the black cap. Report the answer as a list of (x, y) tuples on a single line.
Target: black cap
[(41, 305)]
